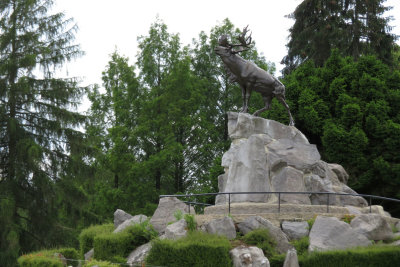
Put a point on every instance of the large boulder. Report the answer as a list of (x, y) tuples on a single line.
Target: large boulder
[(248, 257), (120, 216), (267, 156), (256, 222), (132, 221), (295, 230), (373, 226), (397, 225), (223, 226), (291, 259), (176, 230), (329, 233), (165, 212), (139, 254)]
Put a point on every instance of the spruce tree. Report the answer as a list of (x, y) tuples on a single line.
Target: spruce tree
[(37, 137), (355, 27)]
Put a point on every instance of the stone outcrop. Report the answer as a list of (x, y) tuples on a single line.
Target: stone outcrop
[(291, 259), (295, 230), (133, 220), (89, 255), (267, 156), (176, 230), (256, 222), (223, 226), (120, 216), (139, 254), (248, 257), (165, 212), (373, 226), (328, 233)]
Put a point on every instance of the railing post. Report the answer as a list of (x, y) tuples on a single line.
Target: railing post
[(327, 203), (370, 204), (279, 202), (229, 203)]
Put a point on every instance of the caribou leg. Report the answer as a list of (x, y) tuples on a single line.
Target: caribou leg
[(244, 107), (246, 93), (282, 100), (267, 101)]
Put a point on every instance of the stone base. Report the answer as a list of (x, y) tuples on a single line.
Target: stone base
[(288, 212)]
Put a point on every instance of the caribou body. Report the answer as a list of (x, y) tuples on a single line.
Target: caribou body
[(249, 76)]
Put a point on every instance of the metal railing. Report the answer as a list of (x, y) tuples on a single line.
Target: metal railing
[(370, 197)]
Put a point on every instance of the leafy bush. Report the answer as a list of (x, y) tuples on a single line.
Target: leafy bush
[(87, 235), (363, 257), (99, 264), (277, 260), (109, 245), (301, 245), (191, 222), (40, 259), (70, 254), (262, 239), (47, 258), (197, 249)]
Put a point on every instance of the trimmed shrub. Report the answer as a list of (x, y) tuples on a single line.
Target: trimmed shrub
[(277, 260), (197, 249), (87, 235), (109, 245), (262, 239), (360, 257), (39, 259), (99, 264), (46, 258), (301, 245)]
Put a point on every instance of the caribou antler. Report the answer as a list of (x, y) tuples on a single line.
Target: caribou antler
[(245, 42)]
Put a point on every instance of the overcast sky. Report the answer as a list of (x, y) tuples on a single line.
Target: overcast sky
[(108, 24)]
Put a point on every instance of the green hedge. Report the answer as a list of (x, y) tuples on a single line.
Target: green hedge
[(376, 256), (111, 245), (42, 258), (87, 235), (195, 250), (46, 258), (99, 264)]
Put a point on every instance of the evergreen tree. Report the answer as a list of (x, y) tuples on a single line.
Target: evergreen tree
[(355, 27), (350, 110), (38, 140)]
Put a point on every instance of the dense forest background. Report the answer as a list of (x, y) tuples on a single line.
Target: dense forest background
[(159, 126)]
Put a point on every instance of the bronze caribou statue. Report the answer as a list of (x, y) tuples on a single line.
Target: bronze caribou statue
[(249, 76)]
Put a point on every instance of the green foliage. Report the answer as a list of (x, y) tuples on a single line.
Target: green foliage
[(70, 254), (346, 108), (98, 263), (178, 215), (301, 245), (277, 260), (41, 150), (262, 239), (42, 258), (369, 256), (87, 236), (191, 222), (107, 246), (354, 28), (311, 222), (196, 249), (347, 218)]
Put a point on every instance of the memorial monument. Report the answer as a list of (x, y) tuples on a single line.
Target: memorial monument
[(267, 156)]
